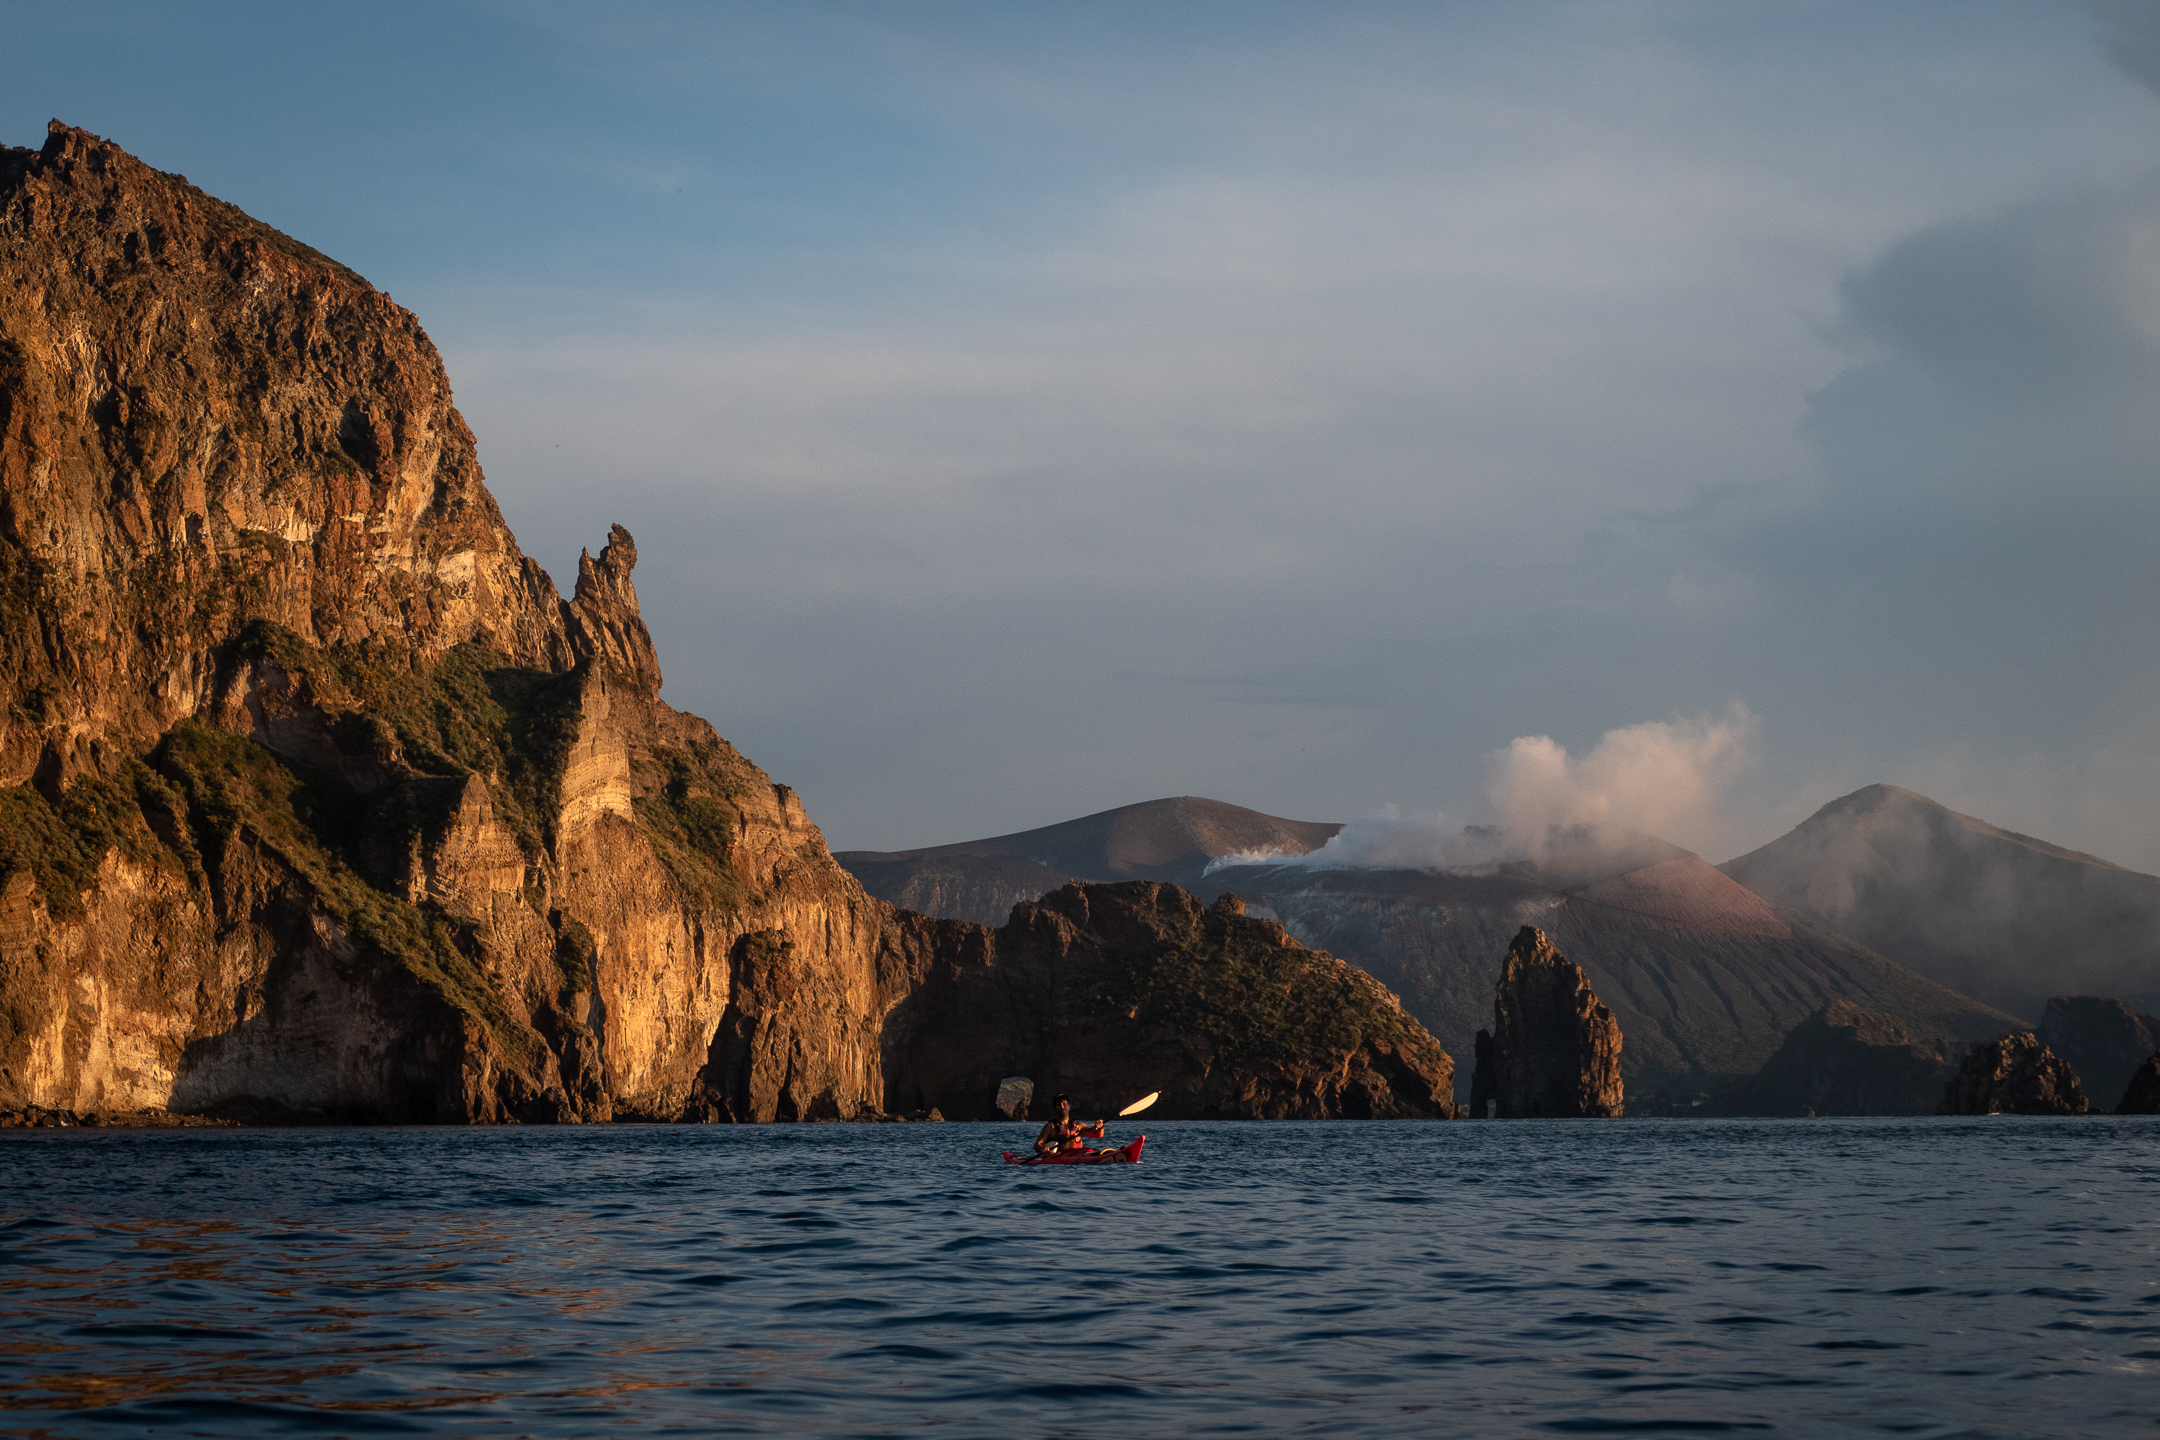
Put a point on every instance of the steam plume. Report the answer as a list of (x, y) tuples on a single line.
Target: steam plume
[(1662, 777)]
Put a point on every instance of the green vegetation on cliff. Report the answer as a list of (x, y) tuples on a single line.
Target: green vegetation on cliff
[(688, 811), (470, 712), (203, 795), (237, 793), (474, 712), (61, 846)]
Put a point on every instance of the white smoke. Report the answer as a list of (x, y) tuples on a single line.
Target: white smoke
[(1387, 839), (1663, 778)]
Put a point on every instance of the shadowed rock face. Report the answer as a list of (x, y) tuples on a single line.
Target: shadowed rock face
[(2103, 1040), (1844, 1060), (2142, 1095), (1107, 992), (2000, 916), (2016, 1075), (1554, 1050), (340, 811)]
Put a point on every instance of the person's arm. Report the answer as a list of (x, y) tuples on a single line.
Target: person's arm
[(1044, 1143)]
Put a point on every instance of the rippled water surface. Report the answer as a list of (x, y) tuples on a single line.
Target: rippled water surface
[(1984, 1277)]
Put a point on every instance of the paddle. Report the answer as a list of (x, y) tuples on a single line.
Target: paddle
[(1141, 1104)]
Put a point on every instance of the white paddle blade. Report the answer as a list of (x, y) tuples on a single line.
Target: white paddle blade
[(1142, 1103)]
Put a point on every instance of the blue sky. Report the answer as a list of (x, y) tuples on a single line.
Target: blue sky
[(1025, 410)]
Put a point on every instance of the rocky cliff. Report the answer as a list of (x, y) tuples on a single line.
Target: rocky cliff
[(207, 424), (1108, 992), (320, 801), (2015, 1075), (2104, 1040), (1553, 1051), (1844, 1060)]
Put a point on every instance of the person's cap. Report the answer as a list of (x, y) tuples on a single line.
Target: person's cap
[(1066, 1098)]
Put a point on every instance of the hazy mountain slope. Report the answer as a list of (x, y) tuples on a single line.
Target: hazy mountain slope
[(1705, 976), (1170, 840), (2000, 916)]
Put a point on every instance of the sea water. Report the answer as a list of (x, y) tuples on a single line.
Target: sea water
[(1993, 1276)]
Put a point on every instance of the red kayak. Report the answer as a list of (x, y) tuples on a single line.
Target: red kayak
[(1121, 1155)]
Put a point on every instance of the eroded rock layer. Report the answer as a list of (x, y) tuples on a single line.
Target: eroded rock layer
[(1554, 1049)]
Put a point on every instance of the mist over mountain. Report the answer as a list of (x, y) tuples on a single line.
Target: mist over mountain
[(2000, 916)]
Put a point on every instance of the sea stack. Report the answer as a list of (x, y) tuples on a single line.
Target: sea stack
[(1554, 1049), (2016, 1075)]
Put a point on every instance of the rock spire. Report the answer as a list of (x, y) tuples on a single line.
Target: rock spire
[(1554, 1049)]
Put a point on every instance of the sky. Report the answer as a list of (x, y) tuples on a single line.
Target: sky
[(1027, 410)]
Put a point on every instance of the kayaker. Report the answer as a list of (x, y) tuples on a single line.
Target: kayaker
[(1061, 1131)]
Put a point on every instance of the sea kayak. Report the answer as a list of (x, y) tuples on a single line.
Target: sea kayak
[(1119, 1155)]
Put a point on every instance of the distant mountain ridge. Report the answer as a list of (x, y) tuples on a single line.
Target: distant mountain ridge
[(1172, 840), (1705, 975), (2000, 916)]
